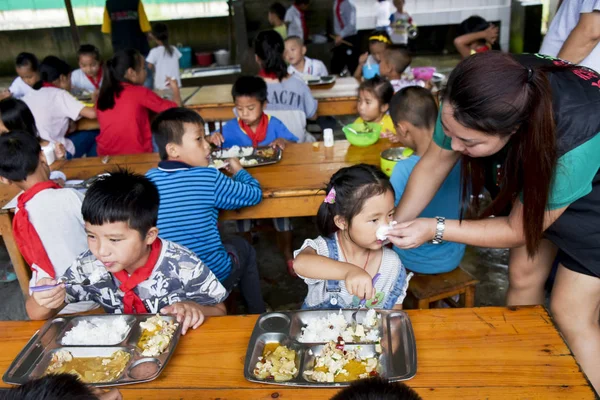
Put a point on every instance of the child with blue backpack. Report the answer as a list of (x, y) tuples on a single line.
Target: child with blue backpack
[(348, 266)]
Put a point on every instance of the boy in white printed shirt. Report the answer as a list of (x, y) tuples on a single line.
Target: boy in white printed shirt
[(294, 55)]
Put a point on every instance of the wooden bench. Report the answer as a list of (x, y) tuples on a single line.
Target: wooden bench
[(427, 289)]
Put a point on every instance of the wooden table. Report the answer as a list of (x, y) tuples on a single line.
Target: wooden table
[(85, 124), (477, 353), (291, 188), (215, 103)]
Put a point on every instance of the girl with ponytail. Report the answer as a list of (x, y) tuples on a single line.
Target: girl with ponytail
[(285, 92), (124, 104), (525, 128), (348, 265), (164, 58)]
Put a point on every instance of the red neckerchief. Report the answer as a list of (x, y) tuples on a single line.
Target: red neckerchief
[(338, 13), (132, 303), (96, 83), (28, 240), (303, 20), (269, 75), (261, 130), (48, 84)]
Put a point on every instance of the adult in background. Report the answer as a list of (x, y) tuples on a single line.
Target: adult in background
[(295, 19), (344, 28), (527, 128), (574, 34), (128, 26)]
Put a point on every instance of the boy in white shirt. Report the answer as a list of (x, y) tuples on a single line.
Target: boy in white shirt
[(294, 55), (88, 77), (53, 108), (48, 226), (296, 20), (27, 67), (164, 58)]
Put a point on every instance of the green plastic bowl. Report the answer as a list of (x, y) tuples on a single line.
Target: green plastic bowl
[(362, 138)]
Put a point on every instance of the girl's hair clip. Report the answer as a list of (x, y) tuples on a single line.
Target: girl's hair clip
[(330, 198)]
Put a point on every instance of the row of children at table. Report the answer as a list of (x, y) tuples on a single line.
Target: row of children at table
[(106, 245)]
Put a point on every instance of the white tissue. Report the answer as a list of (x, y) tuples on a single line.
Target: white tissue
[(383, 231)]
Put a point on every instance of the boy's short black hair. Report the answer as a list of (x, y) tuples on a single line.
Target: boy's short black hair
[(296, 39), (88, 49), (377, 389), (51, 387), (52, 68), (122, 196), (168, 127), (278, 9), (27, 60), (19, 155), (398, 57), (250, 86), (415, 105)]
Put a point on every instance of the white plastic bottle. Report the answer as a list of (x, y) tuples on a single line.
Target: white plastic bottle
[(328, 137)]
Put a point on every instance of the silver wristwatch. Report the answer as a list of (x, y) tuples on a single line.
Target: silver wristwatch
[(439, 230)]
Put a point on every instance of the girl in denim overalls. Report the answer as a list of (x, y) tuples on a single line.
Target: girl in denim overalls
[(347, 266)]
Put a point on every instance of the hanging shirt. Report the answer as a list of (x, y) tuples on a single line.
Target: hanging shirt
[(562, 25), (178, 276), (125, 129), (291, 94), (128, 24), (79, 80), (53, 109), (18, 88), (312, 68), (344, 18), (165, 65)]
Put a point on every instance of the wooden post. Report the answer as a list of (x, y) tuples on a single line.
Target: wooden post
[(74, 31)]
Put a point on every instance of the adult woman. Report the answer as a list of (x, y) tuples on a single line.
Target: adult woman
[(533, 123)]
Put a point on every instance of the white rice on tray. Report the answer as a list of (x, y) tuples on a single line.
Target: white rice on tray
[(97, 331), (235, 152), (334, 325)]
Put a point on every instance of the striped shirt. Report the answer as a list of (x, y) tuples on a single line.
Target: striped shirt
[(190, 199)]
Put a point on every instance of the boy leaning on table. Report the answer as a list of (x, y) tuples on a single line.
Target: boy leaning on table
[(128, 268), (47, 225)]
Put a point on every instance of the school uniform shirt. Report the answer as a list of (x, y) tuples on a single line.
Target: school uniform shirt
[(383, 11), (125, 129), (18, 88), (562, 25), (312, 67), (165, 65), (291, 94), (398, 30), (235, 136), (190, 200), (293, 16), (53, 108), (55, 214), (127, 23), (79, 80), (344, 18), (401, 83), (431, 258), (386, 123), (317, 293), (179, 275)]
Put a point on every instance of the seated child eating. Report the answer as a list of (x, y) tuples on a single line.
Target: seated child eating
[(88, 77), (191, 195), (394, 62), (374, 97), (348, 266), (368, 63), (128, 268), (414, 112), (47, 226), (295, 56), (255, 128), (27, 68)]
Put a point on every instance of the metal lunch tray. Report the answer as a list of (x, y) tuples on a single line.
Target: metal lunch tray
[(216, 154), (397, 360), (35, 357), (323, 80)]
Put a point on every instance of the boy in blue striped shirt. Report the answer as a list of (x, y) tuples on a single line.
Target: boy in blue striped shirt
[(191, 195)]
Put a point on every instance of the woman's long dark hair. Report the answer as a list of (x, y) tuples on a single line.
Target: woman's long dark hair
[(114, 74), (353, 187), (493, 93), (16, 116), (161, 32), (269, 48)]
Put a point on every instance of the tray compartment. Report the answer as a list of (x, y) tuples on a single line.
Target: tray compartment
[(259, 346), (300, 319), (136, 332), (129, 319), (144, 369)]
